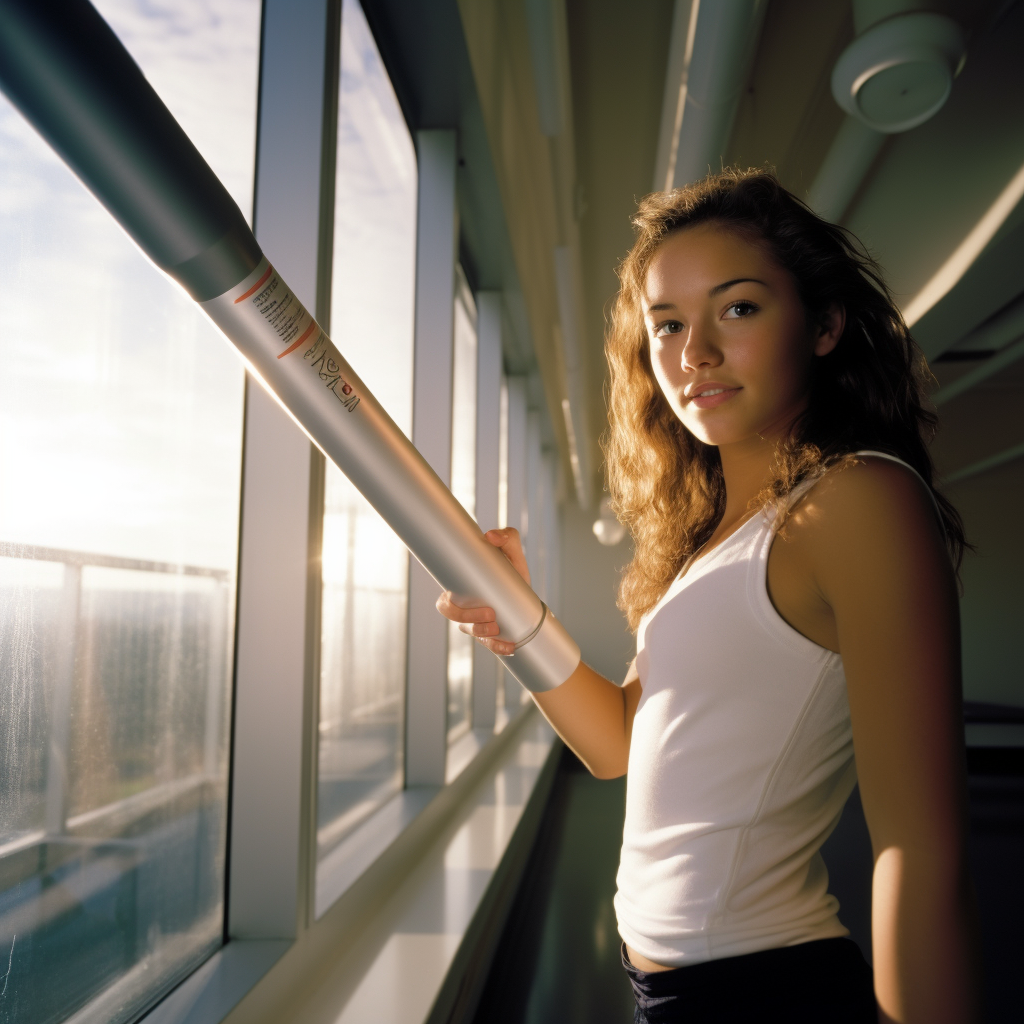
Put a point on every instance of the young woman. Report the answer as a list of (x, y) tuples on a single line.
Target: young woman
[(794, 596)]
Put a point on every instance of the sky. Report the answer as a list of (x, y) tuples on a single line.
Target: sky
[(373, 286), (120, 405)]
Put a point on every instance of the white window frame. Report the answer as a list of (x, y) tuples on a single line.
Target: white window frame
[(274, 711), (276, 933), (426, 709), (489, 316)]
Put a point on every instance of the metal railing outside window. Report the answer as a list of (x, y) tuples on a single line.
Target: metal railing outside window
[(113, 825), (120, 467)]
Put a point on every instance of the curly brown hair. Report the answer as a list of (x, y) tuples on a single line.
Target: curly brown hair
[(868, 393)]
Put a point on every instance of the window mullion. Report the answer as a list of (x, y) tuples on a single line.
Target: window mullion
[(426, 700), (488, 430), (275, 703)]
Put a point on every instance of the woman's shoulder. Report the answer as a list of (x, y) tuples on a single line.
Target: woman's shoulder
[(865, 500), (858, 544)]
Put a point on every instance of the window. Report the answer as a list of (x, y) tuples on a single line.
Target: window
[(464, 396), (503, 517), (503, 705), (365, 566), (120, 456), (460, 645)]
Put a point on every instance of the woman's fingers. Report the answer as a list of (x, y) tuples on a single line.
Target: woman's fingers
[(502, 647), (480, 622), (479, 629), (450, 610), (508, 541), (475, 622)]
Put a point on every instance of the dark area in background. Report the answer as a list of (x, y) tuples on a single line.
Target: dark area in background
[(996, 788), (558, 959), (847, 855), (996, 795)]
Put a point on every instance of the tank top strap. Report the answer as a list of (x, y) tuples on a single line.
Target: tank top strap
[(805, 485), (924, 483)]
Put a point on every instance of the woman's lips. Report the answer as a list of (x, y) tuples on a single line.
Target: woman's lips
[(711, 395)]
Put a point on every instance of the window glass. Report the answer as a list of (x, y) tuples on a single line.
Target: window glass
[(120, 462), (460, 645), (464, 397), (503, 455), (365, 566), (502, 708)]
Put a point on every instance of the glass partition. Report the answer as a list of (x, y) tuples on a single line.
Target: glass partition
[(503, 455), (460, 645), (464, 396), (120, 460), (502, 706), (365, 566)]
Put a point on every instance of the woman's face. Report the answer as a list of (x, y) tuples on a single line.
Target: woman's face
[(730, 341)]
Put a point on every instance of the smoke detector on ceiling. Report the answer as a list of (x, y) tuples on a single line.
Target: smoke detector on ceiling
[(899, 72)]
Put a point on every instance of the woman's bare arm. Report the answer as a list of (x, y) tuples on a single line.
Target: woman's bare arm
[(589, 712), (877, 557)]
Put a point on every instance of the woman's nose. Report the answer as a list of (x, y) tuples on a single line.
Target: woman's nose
[(699, 349)]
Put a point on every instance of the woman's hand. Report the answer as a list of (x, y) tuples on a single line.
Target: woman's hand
[(481, 622), (592, 714)]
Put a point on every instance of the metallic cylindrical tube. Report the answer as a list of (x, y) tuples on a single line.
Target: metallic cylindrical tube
[(293, 356), (73, 80)]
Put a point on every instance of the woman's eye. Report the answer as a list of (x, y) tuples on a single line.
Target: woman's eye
[(740, 309), (668, 327)]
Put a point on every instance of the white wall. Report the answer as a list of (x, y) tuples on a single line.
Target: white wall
[(590, 580)]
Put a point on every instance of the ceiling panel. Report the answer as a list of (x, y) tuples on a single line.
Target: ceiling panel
[(933, 183)]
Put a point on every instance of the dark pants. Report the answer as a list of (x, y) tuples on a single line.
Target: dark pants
[(822, 982)]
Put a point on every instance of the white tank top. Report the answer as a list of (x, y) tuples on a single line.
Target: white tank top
[(740, 762)]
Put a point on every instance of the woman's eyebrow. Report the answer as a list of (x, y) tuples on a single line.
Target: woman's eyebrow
[(728, 284), (661, 306)]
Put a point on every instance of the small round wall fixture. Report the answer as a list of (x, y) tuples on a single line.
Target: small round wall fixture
[(607, 529), (899, 72)]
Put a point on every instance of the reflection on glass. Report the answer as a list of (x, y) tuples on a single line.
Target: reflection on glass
[(503, 454), (120, 459), (460, 680), (503, 707), (365, 566), (460, 645), (464, 397)]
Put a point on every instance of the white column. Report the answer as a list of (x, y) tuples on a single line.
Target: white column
[(516, 494), (427, 694), (552, 579), (516, 504), (275, 705), (488, 439), (534, 500)]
